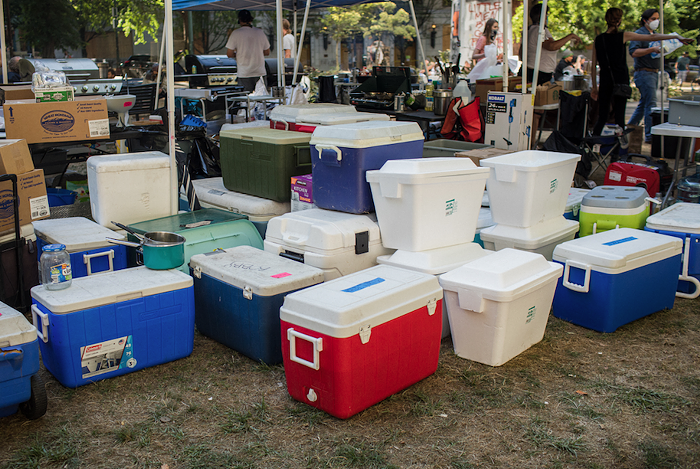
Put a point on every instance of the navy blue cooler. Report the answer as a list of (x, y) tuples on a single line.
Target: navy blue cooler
[(615, 277), (342, 154), (85, 241), (115, 323), (238, 296), (682, 220), (19, 364)]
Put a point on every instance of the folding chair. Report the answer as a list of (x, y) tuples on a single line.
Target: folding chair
[(604, 147)]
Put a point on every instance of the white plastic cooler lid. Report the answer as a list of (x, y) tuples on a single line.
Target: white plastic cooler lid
[(528, 160), (680, 217), (212, 191), (341, 118), (77, 233), (505, 275), (374, 296), (427, 171), (14, 328), (619, 250), (290, 112), (575, 198), (121, 162), (532, 237), (265, 273), (321, 231), (367, 134), (109, 288), (25, 231), (267, 135)]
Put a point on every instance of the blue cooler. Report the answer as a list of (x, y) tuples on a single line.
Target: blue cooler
[(115, 323), (615, 277), (682, 220), (573, 203), (85, 241), (20, 386), (238, 296), (342, 154)]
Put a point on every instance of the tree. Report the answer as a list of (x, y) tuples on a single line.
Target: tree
[(47, 25), (391, 24), (213, 28), (138, 16), (340, 23)]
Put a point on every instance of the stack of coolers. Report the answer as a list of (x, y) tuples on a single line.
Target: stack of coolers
[(427, 210), (528, 191), (573, 203), (609, 207), (285, 117)]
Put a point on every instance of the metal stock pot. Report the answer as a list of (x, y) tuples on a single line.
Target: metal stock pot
[(161, 250)]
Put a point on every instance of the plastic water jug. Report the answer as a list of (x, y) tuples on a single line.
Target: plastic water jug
[(689, 189), (462, 90)]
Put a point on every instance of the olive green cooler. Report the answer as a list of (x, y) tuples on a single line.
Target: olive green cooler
[(609, 207), (260, 161)]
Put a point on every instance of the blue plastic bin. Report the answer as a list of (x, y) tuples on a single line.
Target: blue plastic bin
[(58, 197)]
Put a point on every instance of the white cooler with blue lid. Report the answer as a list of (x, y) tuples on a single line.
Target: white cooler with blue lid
[(114, 323), (427, 203), (336, 242), (86, 243), (541, 238), (682, 220), (573, 202), (615, 277), (499, 305)]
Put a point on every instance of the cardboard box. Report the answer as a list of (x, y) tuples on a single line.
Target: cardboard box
[(479, 154), (495, 84), (32, 199), (14, 92), (15, 157), (50, 95), (302, 193), (547, 94), (57, 122)]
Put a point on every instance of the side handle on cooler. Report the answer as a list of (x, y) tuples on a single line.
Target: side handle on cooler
[(316, 342), (14, 356), (605, 225), (42, 330), (302, 154), (87, 259), (294, 256), (330, 154), (586, 279), (684, 273)]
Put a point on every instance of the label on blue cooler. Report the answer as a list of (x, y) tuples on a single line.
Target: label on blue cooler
[(103, 357)]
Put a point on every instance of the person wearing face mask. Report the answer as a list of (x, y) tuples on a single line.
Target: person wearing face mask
[(488, 37), (566, 64)]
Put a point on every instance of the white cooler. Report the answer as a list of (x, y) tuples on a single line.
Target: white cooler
[(499, 305), (427, 203), (541, 238), (315, 120), (529, 187), (336, 242), (285, 117), (129, 187)]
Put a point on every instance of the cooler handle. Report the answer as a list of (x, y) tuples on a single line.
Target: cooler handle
[(44, 326), (284, 123), (87, 259), (302, 154), (317, 343), (684, 274), (605, 225), (330, 154), (12, 355), (586, 279)]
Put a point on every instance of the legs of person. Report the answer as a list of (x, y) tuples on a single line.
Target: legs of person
[(619, 106), (543, 77), (682, 76), (646, 84), (604, 98), (248, 84)]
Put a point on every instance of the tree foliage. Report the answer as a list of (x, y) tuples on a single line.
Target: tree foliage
[(49, 24)]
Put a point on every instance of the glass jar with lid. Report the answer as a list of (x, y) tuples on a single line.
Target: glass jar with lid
[(55, 267)]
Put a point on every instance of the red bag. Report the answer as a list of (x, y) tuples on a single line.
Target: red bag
[(623, 173), (467, 124)]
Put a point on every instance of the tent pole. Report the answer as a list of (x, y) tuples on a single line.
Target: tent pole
[(503, 36), (160, 66), (301, 41), (523, 48), (420, 43), (280, 51), (170, 78), (294, 30), (3, 54)]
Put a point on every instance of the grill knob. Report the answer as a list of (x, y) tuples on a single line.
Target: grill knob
[(75, 89), (229, 79), (95, 88), (84, 88), (113, 87)]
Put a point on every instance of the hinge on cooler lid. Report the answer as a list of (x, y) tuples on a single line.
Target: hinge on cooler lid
[(365, 332), (432, 304), (362, 242), (247, 293), (197, 272)]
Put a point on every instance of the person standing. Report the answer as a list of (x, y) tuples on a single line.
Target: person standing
[(287, 40), (249, 46), (487, 37), (682, 67), (566, 64)]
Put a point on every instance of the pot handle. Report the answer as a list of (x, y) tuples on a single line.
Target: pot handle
[(124, 243)]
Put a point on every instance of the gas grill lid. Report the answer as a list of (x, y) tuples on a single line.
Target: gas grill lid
[(211, 63), (75, 69)]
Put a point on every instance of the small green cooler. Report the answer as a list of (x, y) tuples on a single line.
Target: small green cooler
[(205, 230), (608, 207), (260, 161)]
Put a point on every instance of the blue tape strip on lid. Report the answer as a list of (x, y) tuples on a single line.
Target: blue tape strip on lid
[(363, 285), (619, 241)]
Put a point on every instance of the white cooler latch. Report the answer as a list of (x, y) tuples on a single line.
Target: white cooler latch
[(197, 272), (247, 293), (362, 242), (432, 304), (365, 332)]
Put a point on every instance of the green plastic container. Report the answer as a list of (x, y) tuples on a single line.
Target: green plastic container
[(609, 207), (205, 230), (261, 161), (446, 148)]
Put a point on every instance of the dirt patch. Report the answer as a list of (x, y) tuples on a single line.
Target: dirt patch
[(577, 399)]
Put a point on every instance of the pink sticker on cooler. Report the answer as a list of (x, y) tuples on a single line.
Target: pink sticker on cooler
[(282, 275)]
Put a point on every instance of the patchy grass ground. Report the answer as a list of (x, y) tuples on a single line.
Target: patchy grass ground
[(578, 399)]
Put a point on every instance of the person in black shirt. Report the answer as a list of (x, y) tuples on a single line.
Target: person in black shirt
[(609, 51), (566, 61)]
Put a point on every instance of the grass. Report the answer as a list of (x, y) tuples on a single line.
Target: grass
[(203, 457), (647, 400), (59, 448), (657, 456), (540, 436), (360, 454)]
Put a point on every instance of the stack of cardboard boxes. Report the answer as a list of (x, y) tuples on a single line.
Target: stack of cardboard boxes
[(545, 94)]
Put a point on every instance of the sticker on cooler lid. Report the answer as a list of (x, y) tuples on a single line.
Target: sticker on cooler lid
[(39, 207), (363, 285), (99, 128), (215, 192), (196, 224), (103, 357), (282, 275), (620, 241)]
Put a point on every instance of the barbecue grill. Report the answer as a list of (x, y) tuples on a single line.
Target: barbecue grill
[(377, 92), (210, 70), (84, 76)]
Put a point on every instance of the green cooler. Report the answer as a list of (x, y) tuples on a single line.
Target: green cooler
[(205, 230), (260, 161), (608, 207)]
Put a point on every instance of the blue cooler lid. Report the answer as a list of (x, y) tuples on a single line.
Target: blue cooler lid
[(615, 197), (14, 328), (681, 217), (77, 234)]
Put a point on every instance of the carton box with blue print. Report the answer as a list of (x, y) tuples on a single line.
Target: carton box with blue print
[(63, 121), (31, 196)]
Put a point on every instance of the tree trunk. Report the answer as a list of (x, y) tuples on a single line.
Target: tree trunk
[(337, 54)]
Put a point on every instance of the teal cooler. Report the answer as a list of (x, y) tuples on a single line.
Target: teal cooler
[(260, 161), (206, 230), (114, 323), (342, 155), (19, 364), (610, 207), (238, 295), (682, 220)]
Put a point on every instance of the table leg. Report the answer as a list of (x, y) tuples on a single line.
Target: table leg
[(675, 171)]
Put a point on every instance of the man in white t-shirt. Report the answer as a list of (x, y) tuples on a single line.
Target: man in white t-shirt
[(287, 40), (249, 46)]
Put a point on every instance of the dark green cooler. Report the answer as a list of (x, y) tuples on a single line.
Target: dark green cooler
[(260, 161)]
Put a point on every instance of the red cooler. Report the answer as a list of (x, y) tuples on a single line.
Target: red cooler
[(356, 340)]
